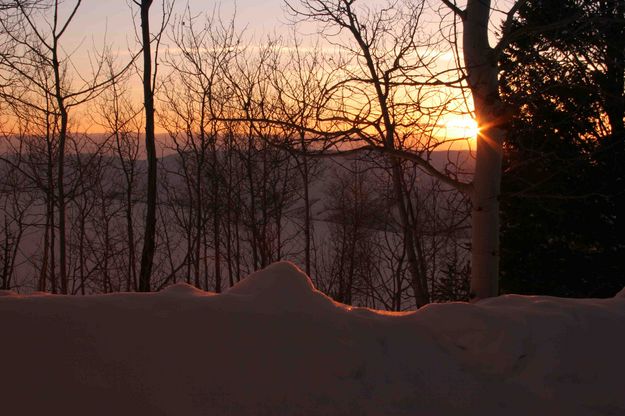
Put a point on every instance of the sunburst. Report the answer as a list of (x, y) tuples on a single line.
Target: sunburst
[(461, 127)]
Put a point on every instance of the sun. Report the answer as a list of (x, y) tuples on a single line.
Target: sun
[(457, 127)]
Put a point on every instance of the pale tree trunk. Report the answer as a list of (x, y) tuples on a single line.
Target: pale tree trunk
[(485, 216), (481, 68)]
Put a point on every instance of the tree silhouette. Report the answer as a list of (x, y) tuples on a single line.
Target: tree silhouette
[(563, 180)]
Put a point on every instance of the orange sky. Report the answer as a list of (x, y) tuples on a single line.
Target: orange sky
[(98, 22)]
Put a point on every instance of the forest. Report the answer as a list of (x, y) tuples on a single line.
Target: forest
[(203, 154)]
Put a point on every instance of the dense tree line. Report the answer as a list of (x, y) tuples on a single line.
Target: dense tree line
[(563, 181)]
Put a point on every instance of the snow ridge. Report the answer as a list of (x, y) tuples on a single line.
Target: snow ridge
[(281, 287), (274, 345)]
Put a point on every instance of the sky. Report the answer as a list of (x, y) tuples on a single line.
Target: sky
[(100, 23), (115, 17), (257, 16)]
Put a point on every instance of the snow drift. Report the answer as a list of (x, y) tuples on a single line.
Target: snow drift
[(273, 345)]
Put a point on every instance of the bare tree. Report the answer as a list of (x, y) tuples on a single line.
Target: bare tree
[(15, 219), (269, 169), (122, 123), (355, 214), (480, 63), (367, 27), (43, 71), (298, 81), (149, 84), (380, 98), (30, 135), (193, 94)]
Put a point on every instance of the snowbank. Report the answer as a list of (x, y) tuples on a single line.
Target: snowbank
[(273, 345)]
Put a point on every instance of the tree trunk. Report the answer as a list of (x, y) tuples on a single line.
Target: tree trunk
[(481, 68), (50, 197), (147, 255), (131, 283), (216, 222), (252, 215), (199, 218), (61, 169), (81, 252), (307, 214)]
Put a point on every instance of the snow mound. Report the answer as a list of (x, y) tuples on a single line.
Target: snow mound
[(620, 294), (282, 276), (281, 286), (182, 290), (274, 345)]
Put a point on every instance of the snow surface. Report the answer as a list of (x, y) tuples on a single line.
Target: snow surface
[(273, 345)]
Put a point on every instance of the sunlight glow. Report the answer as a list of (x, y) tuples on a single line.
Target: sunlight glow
[(461, 127)]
